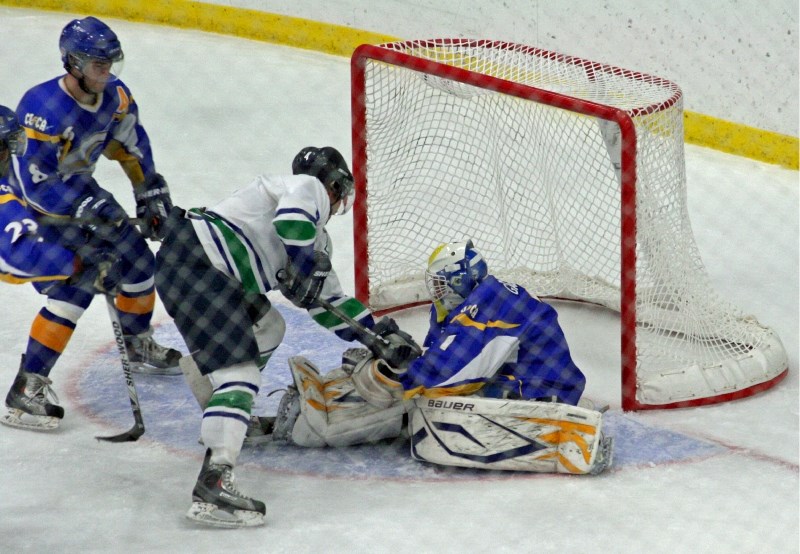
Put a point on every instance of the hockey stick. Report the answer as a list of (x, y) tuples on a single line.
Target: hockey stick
[(138, 426), (379, 346), (366, 336), (66, 220)]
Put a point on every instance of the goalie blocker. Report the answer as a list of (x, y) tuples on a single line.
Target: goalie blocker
[(465, 431)]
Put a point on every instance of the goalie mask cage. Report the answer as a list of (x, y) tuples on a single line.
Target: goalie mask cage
[(569, 176)]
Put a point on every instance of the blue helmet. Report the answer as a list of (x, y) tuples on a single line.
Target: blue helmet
[(88, 38), (454, 269), (12, 138)]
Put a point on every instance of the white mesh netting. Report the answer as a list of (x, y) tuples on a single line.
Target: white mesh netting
[(533, 184)]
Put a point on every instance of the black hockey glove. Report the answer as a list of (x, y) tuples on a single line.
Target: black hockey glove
[(100, 215), (97, 271), (301, 289), (397, 347), (153, 204)]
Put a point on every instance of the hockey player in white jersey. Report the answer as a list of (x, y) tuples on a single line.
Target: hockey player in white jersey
[(496, 387), (213, 272)]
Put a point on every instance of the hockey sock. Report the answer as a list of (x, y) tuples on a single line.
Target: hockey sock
[(135, 308), (227, 415), (48, 338)]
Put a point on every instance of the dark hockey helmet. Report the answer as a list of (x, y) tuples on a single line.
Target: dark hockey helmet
[(12, 138), (329, 166), (89, 38)]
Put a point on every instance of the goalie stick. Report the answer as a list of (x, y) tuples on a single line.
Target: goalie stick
[(138, 426)]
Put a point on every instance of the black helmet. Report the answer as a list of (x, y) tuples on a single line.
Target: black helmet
[(328, 165)]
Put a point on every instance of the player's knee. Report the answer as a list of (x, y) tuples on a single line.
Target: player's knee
[(244, 375), (270, 330), (66, 310)]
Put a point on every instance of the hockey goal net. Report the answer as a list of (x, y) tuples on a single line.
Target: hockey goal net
[(569, 176)]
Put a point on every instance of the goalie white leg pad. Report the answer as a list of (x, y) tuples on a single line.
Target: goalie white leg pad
[(332, 412), (519, 435), (375, 387)]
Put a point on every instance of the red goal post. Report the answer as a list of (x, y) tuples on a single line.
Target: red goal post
[(569, 175)]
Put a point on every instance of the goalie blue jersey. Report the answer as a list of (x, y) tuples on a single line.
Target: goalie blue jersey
[(24, 256), (501, 341), (66, 139)]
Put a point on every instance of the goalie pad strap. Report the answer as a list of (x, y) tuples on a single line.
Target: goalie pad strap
[(519, 435)]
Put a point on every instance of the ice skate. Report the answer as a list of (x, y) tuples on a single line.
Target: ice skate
[(605, 456), (217, 502), (288, 412), (149, 357), (29, 403), (259, 430)]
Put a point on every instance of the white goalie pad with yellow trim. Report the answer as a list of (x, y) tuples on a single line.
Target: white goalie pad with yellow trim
[(332, 413), (518, 435)]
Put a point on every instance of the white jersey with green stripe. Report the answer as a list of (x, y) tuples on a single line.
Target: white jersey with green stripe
[(249, 234), (240, 234)]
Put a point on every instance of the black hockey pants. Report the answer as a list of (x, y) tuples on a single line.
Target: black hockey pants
[(211, 309)]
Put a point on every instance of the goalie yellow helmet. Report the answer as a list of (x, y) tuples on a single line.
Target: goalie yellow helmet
[(454, 269)]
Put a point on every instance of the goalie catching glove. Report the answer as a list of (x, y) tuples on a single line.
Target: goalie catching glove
[(153, 204), (300, 288)]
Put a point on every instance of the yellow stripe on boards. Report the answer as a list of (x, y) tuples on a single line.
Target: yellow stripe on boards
[(741, 140), (701, 130)]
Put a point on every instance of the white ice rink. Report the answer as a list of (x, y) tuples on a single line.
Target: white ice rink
[(719, 479)]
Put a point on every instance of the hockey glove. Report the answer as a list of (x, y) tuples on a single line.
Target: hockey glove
[(153, 204), (397, 347), (97, 271), (301, 289), (100, 214)]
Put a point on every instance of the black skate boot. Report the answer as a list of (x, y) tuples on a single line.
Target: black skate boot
[(149, 357), (29, 405), (217, 502)]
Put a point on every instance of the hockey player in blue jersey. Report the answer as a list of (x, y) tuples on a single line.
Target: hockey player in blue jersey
[(496, 387), (26, 257), (214, 270), (70, 121), (502, 342)]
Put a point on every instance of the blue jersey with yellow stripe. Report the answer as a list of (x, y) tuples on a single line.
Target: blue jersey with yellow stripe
[(24, 256), (500, 340), (66, 139)]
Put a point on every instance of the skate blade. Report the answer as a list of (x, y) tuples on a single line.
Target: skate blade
[(607, 456), (22, 420), (142, 368), (209, 514)]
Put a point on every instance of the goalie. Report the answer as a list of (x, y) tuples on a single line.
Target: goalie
[(496, 387)]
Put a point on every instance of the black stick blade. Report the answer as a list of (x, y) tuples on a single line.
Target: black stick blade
[(128, 436)]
